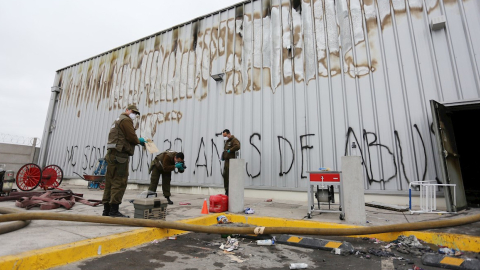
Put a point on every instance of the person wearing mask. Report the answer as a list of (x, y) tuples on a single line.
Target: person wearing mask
[(231, 146), (163, 165), (121, 146)]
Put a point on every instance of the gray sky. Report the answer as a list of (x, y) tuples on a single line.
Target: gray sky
[(40, 37)]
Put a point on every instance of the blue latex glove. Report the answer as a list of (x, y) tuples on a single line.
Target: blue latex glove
[(142, 141), (179, 166), (228, 151)]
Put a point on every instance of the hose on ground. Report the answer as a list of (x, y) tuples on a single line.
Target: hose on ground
[(14, 225), (424, 225)]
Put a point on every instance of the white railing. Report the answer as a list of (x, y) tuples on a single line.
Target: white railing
[(428, 196)]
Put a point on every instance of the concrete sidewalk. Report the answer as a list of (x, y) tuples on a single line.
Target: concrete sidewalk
[(42, 234)]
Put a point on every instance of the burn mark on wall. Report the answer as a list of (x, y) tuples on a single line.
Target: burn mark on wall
[(266, 8), (195, 29), (296, 5)]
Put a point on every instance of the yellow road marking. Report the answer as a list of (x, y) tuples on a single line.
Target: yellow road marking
[(294, 239), (333, 244), (452, 261)]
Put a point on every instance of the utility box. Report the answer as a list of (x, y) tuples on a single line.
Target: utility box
[(150, 208)]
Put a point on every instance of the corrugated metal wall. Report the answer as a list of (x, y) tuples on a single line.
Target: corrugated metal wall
[(304, 79)]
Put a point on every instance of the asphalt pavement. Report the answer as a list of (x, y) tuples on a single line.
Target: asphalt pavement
[(42, 235)]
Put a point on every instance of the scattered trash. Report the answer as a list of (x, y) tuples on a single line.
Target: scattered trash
[(417, 268), (155, 241), (375, 240), (230, 245), (390, 245), (185, 203), (298, 265), (403, 250), (268, 200), (410, 241), (458, 253), (367, 256), (222, 220), (380, 252), (267, 242), (249, 211), (446, 251), (172, 238), (338, 251)]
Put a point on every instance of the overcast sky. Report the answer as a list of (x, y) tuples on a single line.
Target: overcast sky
[(39, 37)]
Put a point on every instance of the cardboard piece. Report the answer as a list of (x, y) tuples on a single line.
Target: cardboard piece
[(151, 147)]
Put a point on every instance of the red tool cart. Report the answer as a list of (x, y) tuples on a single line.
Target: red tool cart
[(321, 186)]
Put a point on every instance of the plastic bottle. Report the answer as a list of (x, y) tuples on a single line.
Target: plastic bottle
[(298, 265), (267, 242)]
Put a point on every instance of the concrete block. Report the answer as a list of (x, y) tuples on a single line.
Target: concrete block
[(236, 187), (353, 190)]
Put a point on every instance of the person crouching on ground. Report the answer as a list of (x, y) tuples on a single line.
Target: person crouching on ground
[(163, 164)]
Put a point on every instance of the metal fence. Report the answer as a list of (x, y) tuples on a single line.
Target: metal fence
[(16, 139)]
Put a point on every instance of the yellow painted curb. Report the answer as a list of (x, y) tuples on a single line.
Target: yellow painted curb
[(68, 253), (456, 241)]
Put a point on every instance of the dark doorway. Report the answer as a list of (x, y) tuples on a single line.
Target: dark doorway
[(464, 119)]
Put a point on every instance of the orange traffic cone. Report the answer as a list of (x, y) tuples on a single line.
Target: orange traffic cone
[(205, 207)]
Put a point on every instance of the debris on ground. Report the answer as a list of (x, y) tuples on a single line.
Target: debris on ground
[(298, 265), (268, 200), (222, 220), (230, 245), (51, 199), (380, 252), (410, 241), (184, 203), (249, 211), (374, 240), (172, 238), (446, 251), (266, 242)]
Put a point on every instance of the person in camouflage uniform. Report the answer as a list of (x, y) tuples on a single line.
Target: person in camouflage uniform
[(163, 165), (121, 145), (232, 145)]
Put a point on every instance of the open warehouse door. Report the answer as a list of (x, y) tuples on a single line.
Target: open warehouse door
[(448, 155)]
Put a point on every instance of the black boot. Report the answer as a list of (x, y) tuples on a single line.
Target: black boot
[(114, 211), (168, 200), (106, 209)]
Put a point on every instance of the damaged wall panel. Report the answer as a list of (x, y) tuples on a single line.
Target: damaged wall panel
[(304, 81)]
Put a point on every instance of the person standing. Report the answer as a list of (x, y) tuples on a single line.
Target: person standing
[(120, 147), (231, 146), (163, 165)]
